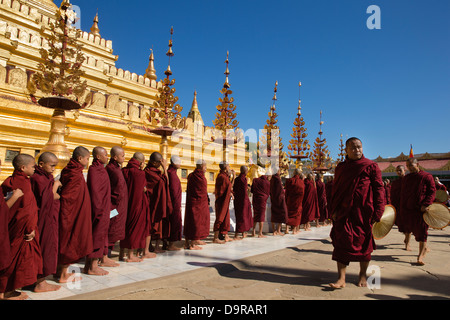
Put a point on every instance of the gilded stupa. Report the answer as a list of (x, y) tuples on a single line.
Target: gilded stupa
[(117, 101)]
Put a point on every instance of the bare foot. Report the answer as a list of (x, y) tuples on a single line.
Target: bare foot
[(15, 295), (193, 247), (44, 286), (362, 281), (96, 271), (107, 262), (218, 241), (69, 277), (173, 247), (199, 242), (262, 236), (149, 255), (133, 259), (338, 284)]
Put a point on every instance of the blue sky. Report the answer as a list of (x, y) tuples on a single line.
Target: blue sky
[(390, 87)]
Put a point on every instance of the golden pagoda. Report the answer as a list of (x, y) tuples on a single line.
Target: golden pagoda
[(116, 100)]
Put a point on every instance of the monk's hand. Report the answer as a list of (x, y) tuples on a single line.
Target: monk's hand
[(17, 193), (30, 236), (57, 184), (145, 189), (424, 209)]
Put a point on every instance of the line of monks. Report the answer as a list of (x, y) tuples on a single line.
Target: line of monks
[(46, 224)]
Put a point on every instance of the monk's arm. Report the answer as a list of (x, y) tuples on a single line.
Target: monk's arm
[(15, 196), (430, 191), (378, 193)]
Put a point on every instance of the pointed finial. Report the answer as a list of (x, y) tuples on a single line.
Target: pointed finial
[(275, 92), (151, 72), (169, 53), (227, 73), (94, 29)]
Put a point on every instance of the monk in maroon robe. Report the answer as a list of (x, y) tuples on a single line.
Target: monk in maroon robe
[(75, 220), (321, 200), (329, 191), (418, 192), (137, 224), (175, 219), (278, 201), (197, 215), (25, 253), (396, 192), (119, 203), (242, 205), (387, 190), (223, 192), (45, 191), (100, 195), (295, 189), (260, 194), (357, 202), (310, 203), (159, 199)]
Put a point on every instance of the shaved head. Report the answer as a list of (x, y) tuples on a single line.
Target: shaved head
[(98, 151), (116, 150), (156, 157), (22, 160), (46, 157), (80, 151), (139, 156)]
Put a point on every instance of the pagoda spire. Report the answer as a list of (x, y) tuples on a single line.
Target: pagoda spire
[(194, 113), (151, 71), (95, 29)]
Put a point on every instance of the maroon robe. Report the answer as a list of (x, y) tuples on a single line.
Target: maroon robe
[(310, 202), (5, 257), (260, 193), (295, 189), (75, 220), (197, 216), (159, 201), (176, 227), (418, 189), (329, 191), (26, 259), (387, 189), (138, 218), (322, 200), (100, 194), (48, 219), (223, 190), (277, 198), (357, 202), (242, 205), (396, 192)]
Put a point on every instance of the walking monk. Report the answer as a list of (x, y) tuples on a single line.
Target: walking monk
[(197, 216), (310, 203), (159, 198), (175, 219), (260, 193), (322, 200), (418, 192), (75, 221), (119, 203), (400, 220), (278, 200), (223, 193), (357, 202), (45, 191), (137, 224), (100, 194), (25, 253), (295, 189), (242, 205)]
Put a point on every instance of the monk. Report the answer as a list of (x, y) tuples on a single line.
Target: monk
[(418, 193), (159, 199), (100, 195), (119, 203), (310, 203), (295, 189), (400, 220), (25, 262), (197, 216), (223, 193), (75, 220), (136, 227), (321, 200), (260, 194), (242, 204), (45, 190), (279, 208), (357, 202), (329, 191), (175, 219)]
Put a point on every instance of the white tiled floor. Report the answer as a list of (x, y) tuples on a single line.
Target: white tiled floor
[(173, 262)]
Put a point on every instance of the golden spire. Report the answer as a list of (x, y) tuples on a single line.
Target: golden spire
[(151, 72), (194, 113), (226, 85), (170, 54), (94, 29)]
